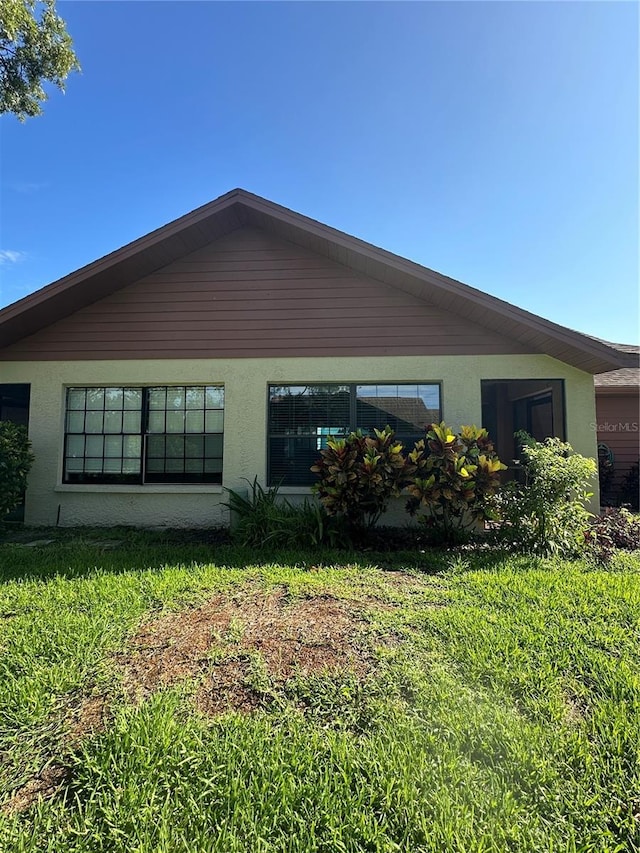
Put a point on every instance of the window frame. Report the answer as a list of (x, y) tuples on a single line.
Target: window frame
[(143, 477), (353, 400)]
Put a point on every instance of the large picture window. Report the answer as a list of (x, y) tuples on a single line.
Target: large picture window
[(169, 434), (302, 417)]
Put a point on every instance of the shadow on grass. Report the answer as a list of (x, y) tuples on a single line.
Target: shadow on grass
[(43, 553)]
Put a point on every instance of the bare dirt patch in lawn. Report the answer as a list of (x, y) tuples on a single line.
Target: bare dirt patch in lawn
[(46, 784), (85, 717), (240, 648)]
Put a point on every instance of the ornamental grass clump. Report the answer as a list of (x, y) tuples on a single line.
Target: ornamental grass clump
[(262, 517), (455, 476), (359, 474)]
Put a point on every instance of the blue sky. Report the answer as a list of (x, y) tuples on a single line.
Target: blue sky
[(494, 142)]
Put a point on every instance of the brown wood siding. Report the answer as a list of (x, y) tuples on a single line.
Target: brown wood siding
[(250, 294), (617, 414)]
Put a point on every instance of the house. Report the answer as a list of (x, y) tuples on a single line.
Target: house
[(233, 341), (618, 426)]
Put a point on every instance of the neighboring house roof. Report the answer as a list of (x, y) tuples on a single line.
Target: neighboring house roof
[(411, 410), (238, 209), (625, 380)]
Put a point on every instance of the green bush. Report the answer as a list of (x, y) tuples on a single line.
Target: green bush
[(454, 477), (15, 463), (359, 475), (547, 514), (265, 518)]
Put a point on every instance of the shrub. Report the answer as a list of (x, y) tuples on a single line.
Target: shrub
[(454, 478), (15, 463), (359, 475), (614, 529), (264, 518), (547, 514)]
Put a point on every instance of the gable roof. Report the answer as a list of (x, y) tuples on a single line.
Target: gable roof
[(238, 209)]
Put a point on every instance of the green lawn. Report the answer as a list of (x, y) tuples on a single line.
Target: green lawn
[(156, 697)]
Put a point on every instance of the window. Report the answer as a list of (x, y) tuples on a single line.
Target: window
[(14, 403), (303, 417), (169, 434)]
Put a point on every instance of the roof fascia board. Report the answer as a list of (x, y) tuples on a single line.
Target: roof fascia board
[(617, 390)]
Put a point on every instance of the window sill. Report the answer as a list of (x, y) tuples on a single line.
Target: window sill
[(295, 490), (153, 489)]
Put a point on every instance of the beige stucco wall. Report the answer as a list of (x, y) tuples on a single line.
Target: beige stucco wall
[(245, 381)]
